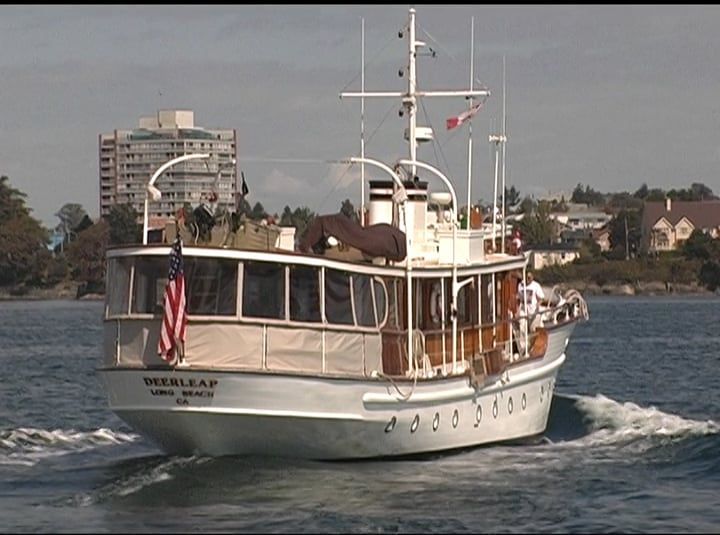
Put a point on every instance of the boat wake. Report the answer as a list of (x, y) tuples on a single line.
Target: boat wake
[(139, 474), (600, 421), (27, 446)]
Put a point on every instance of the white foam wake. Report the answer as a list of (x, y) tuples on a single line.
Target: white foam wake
[(614, 422), (27, 446)]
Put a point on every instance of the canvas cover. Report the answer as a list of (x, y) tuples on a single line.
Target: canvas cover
[(380, 240), (133, 342)]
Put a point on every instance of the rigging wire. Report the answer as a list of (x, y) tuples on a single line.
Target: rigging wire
[(448, 54), (368, 63)]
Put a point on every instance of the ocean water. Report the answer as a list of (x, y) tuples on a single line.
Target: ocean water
[(633, 445)]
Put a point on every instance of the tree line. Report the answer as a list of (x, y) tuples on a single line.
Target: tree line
[(26, 261)]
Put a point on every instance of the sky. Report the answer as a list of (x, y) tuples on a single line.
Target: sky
[(609, 96)]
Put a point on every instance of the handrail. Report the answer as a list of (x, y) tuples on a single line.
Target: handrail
[(151, 190)]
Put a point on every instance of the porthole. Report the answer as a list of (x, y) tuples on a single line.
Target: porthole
[(495, 409), (478, 414), (436, 421), (391, 424), (415, 423), (523, 402), (455, 418), (510, 406)]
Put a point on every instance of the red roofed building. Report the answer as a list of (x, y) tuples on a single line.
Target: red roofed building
[(667, 224)]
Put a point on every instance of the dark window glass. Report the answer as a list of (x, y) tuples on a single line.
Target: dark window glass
[(467, 305), (149, 282), (362, 294), (304, 294), (396, 299), (380, 301), (263, 290), (486, 299), (211, 286), (338, 307), (118, 285)]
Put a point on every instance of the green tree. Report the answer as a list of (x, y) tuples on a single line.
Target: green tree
[(527, 206), (12, 201), (538, 228), (258, 212), (642, 192), (347, 209), (587, 195), (86, 254), (122, 225), (24, 256), (71, 216), (617, 227), (700, 246), (85, 223), (300, 218), (512, 198), (710, 275)]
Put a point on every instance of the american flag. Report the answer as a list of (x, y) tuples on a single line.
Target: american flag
[(454, 122), (174, 320)]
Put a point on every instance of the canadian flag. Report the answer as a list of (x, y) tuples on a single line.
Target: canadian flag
[(454, 122)]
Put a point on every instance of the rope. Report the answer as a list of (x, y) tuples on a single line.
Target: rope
[(403, 396)]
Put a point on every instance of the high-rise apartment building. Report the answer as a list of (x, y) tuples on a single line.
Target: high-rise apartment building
[(129, 158)]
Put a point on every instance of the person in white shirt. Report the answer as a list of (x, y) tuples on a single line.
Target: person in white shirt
[(530, 294)]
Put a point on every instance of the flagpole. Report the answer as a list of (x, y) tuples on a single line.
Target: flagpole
[(469, 172)]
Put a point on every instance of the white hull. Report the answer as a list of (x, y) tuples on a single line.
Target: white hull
[(192, 411)]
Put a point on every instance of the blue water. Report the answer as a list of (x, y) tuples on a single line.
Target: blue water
[(633, 445)]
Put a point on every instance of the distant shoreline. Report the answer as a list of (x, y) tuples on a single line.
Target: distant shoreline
[(69, 291), (638, 288)]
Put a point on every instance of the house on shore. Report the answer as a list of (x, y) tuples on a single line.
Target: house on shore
[(667, 224)]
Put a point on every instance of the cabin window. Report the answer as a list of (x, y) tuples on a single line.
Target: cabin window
[(380, 301), (305, 294), (338, 304), (211, 286), (467, 305), (118, 285), (263, 290), (396, 315), (486, 299), (363, 299), (429, 304), (149, 282)]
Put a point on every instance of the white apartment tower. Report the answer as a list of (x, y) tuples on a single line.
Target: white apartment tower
[(128, 159)]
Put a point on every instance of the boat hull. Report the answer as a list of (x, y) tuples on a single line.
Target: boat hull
[(216, 413)]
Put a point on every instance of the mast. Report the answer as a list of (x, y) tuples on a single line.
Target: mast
[(410, 97), (504, 142), (362, 123), (469, 171), (409, 102)]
